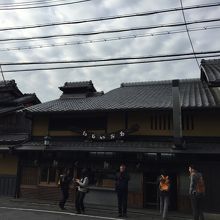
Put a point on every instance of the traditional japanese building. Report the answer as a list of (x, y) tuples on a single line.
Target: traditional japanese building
[(14, 130), (146, 125)]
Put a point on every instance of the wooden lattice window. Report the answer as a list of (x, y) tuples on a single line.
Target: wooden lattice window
[(161, 122), (48, 175), (29, 176), (165, 122)]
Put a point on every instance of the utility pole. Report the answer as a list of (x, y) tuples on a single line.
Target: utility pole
[(2, 74)]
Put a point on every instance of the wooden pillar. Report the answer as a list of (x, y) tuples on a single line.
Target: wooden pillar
[(177, 115)]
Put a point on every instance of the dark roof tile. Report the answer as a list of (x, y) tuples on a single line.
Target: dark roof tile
[(145, 95), (7, 83), (12, 99), (77, 86), (27, 98), (210, 71), (13, 138), (7, 110)]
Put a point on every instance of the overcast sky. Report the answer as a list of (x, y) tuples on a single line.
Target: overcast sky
[(45, 83)]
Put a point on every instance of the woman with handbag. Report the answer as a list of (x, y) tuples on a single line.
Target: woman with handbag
[(82, 187)]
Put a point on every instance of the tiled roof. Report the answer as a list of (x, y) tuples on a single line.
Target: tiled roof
[(4, 110), (17, 104), (7, 83), (5, 147), (210, 71), (9, 86), (78, 84), (27, 98), (147, 147), (13, 138), (12, 99), (145, 95), (68, 86), (9, 90)]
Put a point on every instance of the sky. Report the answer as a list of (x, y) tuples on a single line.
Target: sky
[(45, 83)]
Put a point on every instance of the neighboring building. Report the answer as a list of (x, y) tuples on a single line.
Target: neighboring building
[(137, 124), (14, 130)]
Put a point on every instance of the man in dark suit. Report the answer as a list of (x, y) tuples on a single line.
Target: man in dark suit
[(121, 187), (197, 192)]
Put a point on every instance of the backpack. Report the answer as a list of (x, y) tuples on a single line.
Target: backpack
[(164, 183), (200, 185)]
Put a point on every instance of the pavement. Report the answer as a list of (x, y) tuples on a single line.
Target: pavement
[(20, 209)]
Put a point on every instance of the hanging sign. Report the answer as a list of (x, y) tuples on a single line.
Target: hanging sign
[(117, 135)]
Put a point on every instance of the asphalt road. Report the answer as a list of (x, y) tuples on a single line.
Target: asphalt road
[(22, 213), (12, 213), (28, 210)]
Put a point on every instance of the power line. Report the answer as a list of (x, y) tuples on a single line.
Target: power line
[(117, 38), (30, 3), (110, 59), (187, 31), (215, 4), (44, 6), (113, 30), (110, 64)]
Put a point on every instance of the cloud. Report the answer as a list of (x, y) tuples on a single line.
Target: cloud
[(45, 83)]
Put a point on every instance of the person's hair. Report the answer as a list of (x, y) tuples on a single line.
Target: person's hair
[(84, 172), (163, 172), (123, 165), (193, 167)]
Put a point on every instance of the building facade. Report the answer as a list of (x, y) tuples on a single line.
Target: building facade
[(149, 126), (14, 130)]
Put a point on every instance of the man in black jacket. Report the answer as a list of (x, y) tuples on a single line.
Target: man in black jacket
[(121, 187), (197, 192), (65, 180)]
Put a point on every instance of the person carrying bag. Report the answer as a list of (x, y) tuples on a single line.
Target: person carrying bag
[(82, 187), (164, 191)]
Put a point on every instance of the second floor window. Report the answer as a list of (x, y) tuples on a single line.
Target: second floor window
[(82, 123), (165, 122), (161, 122)]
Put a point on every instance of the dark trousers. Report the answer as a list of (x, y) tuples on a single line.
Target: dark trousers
[(122, 202), (79, 203), (164, 204), (197, 207), (64, 197)]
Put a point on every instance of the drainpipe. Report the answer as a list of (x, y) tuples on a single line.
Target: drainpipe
[(177, 115)]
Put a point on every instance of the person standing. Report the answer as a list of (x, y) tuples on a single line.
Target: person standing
[(196, 192), (81, 192), (64, 182), (164, 191), (121, 187)]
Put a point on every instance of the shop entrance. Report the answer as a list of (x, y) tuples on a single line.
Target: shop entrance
[(151, 194)]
